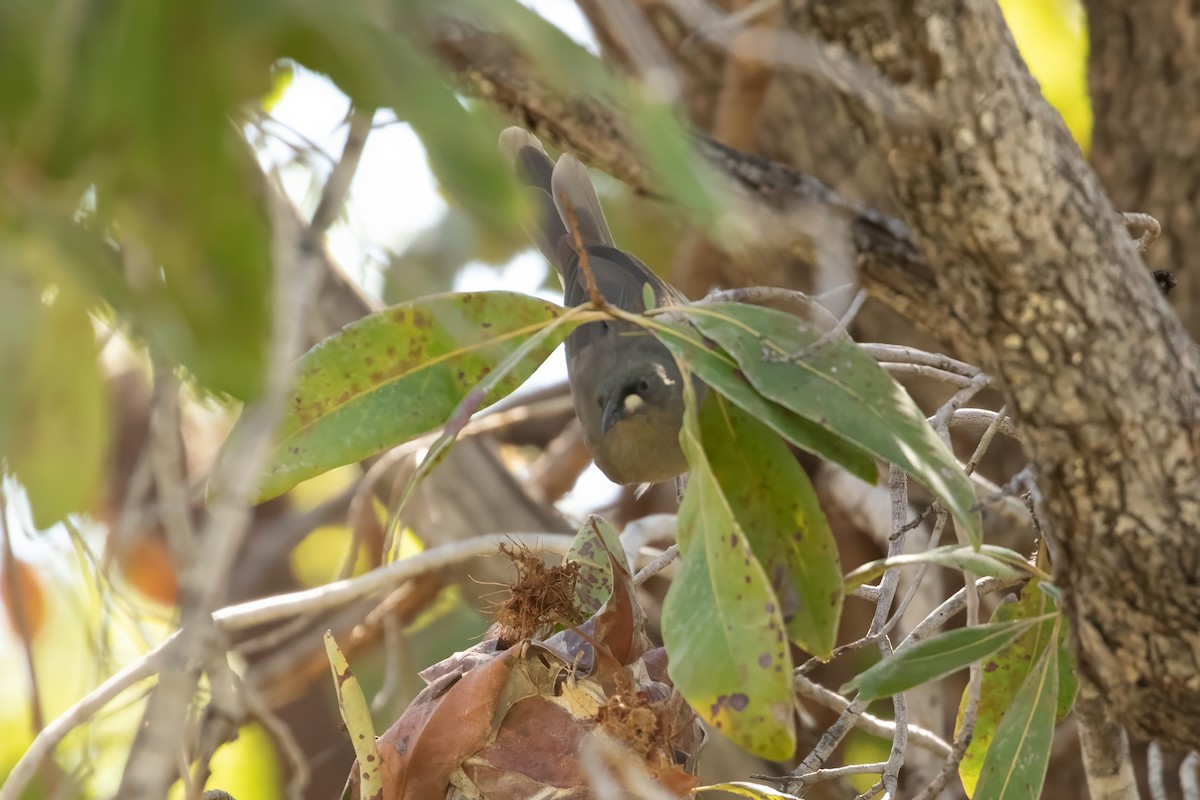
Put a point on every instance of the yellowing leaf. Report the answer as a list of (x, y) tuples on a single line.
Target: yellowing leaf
[(721, 621), (1016, 763)]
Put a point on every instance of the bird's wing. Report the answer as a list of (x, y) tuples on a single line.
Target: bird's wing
[(553, 188), (535, 169), (572, 189), (621, 279)]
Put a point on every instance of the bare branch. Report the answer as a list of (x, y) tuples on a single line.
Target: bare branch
[(151, 766), (1189, 776), (1106, 759), (869, 722), (333, 196), (332, 595)]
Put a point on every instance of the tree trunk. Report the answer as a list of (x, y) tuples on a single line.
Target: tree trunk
[(1144, 76)]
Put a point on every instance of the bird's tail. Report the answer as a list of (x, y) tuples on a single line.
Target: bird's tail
[(557, 191)]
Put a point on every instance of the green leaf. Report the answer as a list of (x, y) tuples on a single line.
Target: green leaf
[(721, 622), (402, 372), (751, 790), (460, 142), (1015, 766), (54, 425), (1055, 592), (1003, 675), (389, 65), (933, 658), (1068, 679), (775, 504), (832, 382), (987, 561), (718, 369), (593, 545), (516, 362)]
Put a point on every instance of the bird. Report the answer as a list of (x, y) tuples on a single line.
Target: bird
[(627, 389)]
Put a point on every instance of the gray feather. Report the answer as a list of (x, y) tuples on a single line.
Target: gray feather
[(610, 359), (534, 168), (572, 184), (513, 138)]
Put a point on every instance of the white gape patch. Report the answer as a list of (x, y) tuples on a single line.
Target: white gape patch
[(633, 402)]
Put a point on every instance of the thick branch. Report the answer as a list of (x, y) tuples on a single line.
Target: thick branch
[(1028, 254), (1028, 264), (891, 265)]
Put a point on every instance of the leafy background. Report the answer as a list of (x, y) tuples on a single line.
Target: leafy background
[(413, 225)]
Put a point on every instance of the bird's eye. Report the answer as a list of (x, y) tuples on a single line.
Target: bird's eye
[(643, 386)]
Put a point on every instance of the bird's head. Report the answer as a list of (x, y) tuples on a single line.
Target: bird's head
[(642, 394)]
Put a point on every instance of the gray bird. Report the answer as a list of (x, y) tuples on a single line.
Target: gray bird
[(626, 386)]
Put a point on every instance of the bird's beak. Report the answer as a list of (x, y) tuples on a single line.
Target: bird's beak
[(613, 411)]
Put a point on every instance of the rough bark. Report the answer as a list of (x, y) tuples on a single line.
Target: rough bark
[(1028, 255), (1026, 260), (1144, 76), (795, 116), (892, 265)]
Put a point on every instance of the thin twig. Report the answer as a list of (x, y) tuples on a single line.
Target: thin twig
[(333, 196), (1155, 777), (262, 120), (834, 773), (903, 354), (840, 330), (810, 308), (221, 718), (168, 464), (985, 441), (871, 792), (84, 709), (966, 729), (656, 566), (20, 617), (648, 529), (589, 279), (954, 605), (321, 598), (870, 723), (942, 418), (1106, 760), (898, 484), (935, 538), (394, 643), (926, 371), (982, 418), (1189, 776)]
